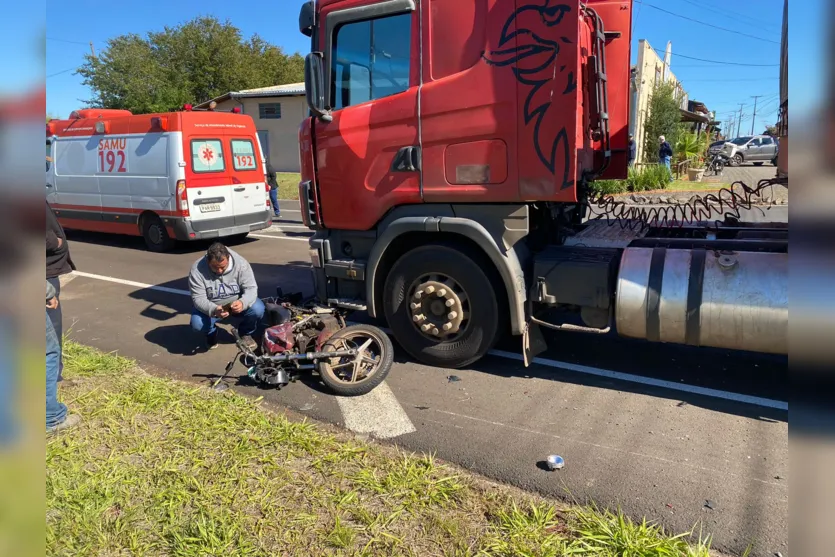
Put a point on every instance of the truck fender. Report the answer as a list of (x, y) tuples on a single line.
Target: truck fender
[(507, 262)]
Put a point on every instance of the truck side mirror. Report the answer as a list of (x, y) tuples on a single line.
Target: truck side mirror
[(307, 18), (314, 86)]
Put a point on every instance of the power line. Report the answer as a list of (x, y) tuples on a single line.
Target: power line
[(709, 24), (719, 61), (727, 80), (725, 11), (62, 71)]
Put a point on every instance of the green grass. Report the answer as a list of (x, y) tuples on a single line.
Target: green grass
[(160, 467), (288, 185)]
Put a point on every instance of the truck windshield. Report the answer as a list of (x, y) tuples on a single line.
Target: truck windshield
[(741, 140)]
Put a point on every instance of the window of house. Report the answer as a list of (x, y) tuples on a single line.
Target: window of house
[(269, 111), (243, 155), (207, 155), (371, 60)]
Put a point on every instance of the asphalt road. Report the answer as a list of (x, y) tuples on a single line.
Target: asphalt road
[(658, 430)]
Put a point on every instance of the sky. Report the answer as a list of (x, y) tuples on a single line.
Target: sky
[(72, 24)]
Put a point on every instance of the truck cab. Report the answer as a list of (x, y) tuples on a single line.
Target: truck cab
[(446, 165)]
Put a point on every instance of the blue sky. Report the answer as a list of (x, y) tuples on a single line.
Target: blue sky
[(72, 24)]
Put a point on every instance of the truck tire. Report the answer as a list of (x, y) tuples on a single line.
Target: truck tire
[(737, 160), (442, 280), (155, 234)]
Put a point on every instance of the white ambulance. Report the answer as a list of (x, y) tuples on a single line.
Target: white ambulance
[(166, 177)]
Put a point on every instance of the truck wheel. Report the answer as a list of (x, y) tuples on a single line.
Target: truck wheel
[(441, 306), (155, 234), (737, 160)]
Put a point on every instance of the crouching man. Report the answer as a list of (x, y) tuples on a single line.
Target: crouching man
[(222, 284)]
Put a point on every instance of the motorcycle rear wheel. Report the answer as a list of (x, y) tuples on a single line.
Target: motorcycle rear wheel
[(360, 374)]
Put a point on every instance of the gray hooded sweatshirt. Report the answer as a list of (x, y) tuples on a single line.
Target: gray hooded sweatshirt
[(210, 291)]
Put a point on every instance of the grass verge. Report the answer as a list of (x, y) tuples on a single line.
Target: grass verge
[(288, 184), (159, 467)]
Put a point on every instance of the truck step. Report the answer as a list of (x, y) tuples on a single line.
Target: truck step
[(347, 303), (600, 234)]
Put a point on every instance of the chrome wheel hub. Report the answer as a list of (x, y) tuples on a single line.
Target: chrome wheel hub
[(438, 306)]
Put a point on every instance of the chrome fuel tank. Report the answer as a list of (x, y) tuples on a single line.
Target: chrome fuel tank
[(736, 300)]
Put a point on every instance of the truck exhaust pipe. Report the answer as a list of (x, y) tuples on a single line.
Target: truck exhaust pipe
[(727, 299)]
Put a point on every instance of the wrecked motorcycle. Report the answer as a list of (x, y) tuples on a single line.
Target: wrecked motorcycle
[(303, 336)]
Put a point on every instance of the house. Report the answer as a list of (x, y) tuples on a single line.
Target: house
[(277, 111), (650, 70)]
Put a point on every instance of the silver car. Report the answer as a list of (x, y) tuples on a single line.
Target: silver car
[(750, 148)]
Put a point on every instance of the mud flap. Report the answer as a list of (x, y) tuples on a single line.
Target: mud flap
[(533, 343)]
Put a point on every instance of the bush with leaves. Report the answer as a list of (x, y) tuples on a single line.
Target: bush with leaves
[(190, 63), (645, 178), (663, 119)]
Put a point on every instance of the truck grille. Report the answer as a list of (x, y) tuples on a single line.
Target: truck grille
[(307, 200)]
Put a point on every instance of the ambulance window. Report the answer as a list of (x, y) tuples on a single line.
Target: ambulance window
[(243, 154), (207, 155)]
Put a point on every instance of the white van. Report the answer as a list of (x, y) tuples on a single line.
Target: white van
[(165, 177)]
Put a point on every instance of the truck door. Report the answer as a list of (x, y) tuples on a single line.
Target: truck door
[(368, 155)]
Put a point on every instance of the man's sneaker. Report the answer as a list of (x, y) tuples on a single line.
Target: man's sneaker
[(211, 341), (249, 342), (70, 421), (277, 215)]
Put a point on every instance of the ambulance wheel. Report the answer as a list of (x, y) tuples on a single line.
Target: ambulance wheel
[(155, 234)]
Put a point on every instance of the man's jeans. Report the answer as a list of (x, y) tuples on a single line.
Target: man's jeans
[(250, 319), (666, 162), (274, 200), (56, 316), (56, 412)]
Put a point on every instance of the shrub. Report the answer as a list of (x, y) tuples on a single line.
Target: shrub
[(650, 177)]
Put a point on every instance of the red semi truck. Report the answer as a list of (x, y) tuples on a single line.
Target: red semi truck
[(446, 167)]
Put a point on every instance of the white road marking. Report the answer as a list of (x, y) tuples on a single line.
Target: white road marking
[(300, 226), (377, 413), (704, 391), (278, 237), (577, 368), (134, 283)]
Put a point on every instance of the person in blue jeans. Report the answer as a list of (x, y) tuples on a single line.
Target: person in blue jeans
[(56, 412), (665, 154), (272, 180), (222, 284)]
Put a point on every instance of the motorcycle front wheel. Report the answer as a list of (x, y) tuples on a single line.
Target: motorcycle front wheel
[(359, 374)]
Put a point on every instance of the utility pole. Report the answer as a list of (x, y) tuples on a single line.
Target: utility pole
[(92, 50), (739, 123), (754, 118)]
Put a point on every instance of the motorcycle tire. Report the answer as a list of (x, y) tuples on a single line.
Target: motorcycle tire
[(379, 351)]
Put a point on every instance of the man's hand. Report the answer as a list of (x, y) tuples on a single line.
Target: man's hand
[(60, 242), (219, 312), (52, 303), (237, 306)]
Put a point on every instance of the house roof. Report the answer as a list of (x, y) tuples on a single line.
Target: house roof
[(286, 90)]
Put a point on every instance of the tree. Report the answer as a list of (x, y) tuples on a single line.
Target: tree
[(770, 130), (663, 119), (189, 63)]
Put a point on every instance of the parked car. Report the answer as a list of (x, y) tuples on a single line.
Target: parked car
[(750, 148)]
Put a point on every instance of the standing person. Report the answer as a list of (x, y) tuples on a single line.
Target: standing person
[(665, 154), (272, 180), (58, 262), (222, 283), (632, 150), (56, 412)]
